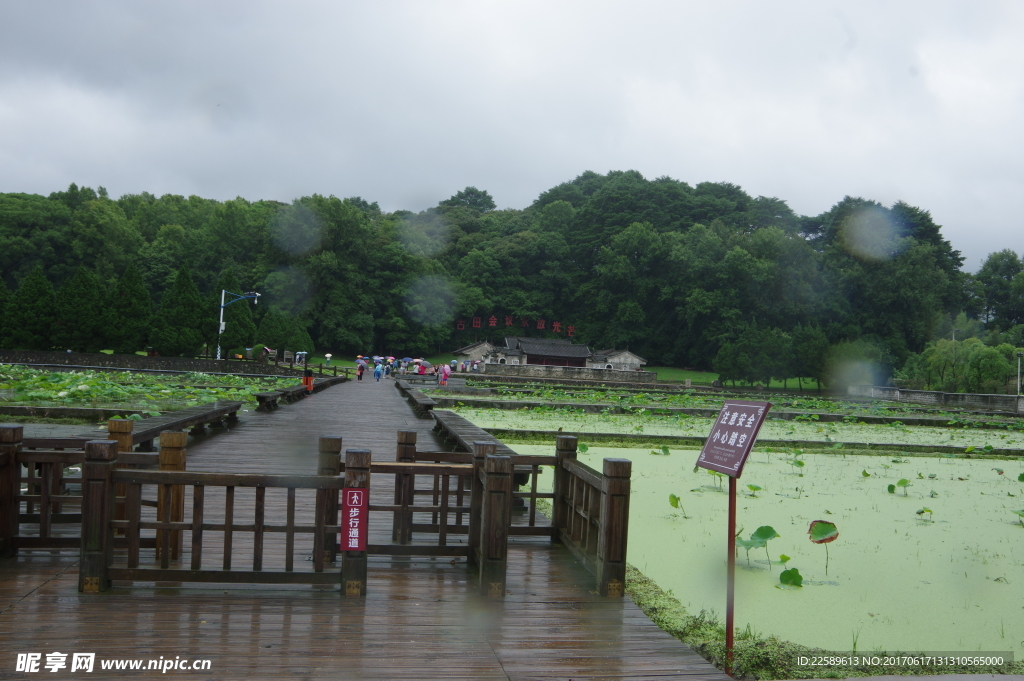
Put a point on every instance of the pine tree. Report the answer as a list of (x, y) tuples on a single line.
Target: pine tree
[(274, 331), (80, 314), (129, 313), (176, 328), (239, 329), (300, 341), (30, 315)]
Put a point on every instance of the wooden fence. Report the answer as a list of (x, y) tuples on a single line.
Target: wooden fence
[(437, 496)]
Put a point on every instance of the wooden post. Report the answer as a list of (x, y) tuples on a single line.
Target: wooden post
[(495, 517), (97, 504), (120, 431), (611, 542), (565, 450), (353, 563), (476, 497), (405, 487), (172, 458), (329, 463), (10, 487)]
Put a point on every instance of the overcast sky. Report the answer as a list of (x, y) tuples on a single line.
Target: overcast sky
[(405, 103)]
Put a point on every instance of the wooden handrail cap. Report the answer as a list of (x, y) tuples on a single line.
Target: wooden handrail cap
[(11, 433), (330, 444), (357, 458), (173, 438), (101, 450), (618, 468), (498, 464), (120, 425)]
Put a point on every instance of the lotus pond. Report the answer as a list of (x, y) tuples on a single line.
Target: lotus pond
[(162, 392), (935, 565), (685, 425)]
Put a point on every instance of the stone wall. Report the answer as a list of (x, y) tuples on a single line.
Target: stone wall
[(570, 373), (140, 363), (1011, 403)]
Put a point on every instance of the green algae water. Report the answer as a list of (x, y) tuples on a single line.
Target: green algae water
[(949, 580), (645, 424)]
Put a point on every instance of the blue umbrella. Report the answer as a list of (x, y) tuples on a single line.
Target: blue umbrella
[(407, 359)]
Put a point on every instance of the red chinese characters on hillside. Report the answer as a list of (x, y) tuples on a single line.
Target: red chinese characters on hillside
[(524, 322)]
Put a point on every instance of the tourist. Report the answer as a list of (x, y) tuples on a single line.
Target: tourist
[(360, 367), (378, 371)]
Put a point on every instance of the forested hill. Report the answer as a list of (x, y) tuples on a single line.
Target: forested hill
[(701, 276)]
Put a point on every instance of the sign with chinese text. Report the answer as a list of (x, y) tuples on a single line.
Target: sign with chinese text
[(732, 436), (354, 519)]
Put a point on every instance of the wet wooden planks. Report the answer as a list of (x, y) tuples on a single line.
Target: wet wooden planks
[(420, 618)]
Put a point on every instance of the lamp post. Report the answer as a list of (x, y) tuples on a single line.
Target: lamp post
[(1019, 355), (237, 296)]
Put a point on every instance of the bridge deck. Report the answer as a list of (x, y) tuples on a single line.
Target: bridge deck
[(419, 620)]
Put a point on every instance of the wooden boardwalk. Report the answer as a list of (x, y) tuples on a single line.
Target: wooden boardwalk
[(420, 618)]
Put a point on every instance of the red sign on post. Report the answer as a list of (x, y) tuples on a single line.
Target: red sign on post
[(354, 519), (732, 436)]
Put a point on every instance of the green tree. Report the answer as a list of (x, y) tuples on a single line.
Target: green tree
[(274, 331), (129, 313), (176, 329), (31, 314), (472, 198), (80, 315), (299, 341), (997, 276), (5, 299), (102, 238), (810, 347)]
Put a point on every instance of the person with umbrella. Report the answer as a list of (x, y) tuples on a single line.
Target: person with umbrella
[(378, 370)]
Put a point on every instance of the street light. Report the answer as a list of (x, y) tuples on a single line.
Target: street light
[(237, 296), (1019, 355)]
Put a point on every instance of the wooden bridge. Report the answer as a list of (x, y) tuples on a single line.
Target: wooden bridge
[(258, 495)]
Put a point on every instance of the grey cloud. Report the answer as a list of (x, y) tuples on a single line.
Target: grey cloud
[(405, 103)]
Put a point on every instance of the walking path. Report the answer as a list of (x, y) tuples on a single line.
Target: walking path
[(420, 618)]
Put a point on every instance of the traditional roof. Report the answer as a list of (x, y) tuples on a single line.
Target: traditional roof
[(515, 341), (471, 346), (553, 349), (605, 355)]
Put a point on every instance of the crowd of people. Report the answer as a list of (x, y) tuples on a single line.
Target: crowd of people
[(386, 367)]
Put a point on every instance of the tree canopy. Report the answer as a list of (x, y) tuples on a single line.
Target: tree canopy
[(703, 276)]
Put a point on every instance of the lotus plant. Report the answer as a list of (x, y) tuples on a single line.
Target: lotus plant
[(823, 532)]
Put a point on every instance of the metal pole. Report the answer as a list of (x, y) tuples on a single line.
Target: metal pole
[(220, 328), (1019, 354), (730, 587)]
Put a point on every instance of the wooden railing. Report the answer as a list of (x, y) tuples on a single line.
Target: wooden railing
[(591, 514), (39, 491), (590, 509), (467, 493), (100, 478)]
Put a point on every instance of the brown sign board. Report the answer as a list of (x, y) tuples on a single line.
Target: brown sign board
[(732, 436)]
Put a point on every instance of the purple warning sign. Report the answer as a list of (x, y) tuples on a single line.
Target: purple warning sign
[(732, 436)]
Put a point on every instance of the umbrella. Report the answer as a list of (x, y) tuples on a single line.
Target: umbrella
[(361, 361), (426, 363), (407, 359), (377, 361), (359, 356)]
